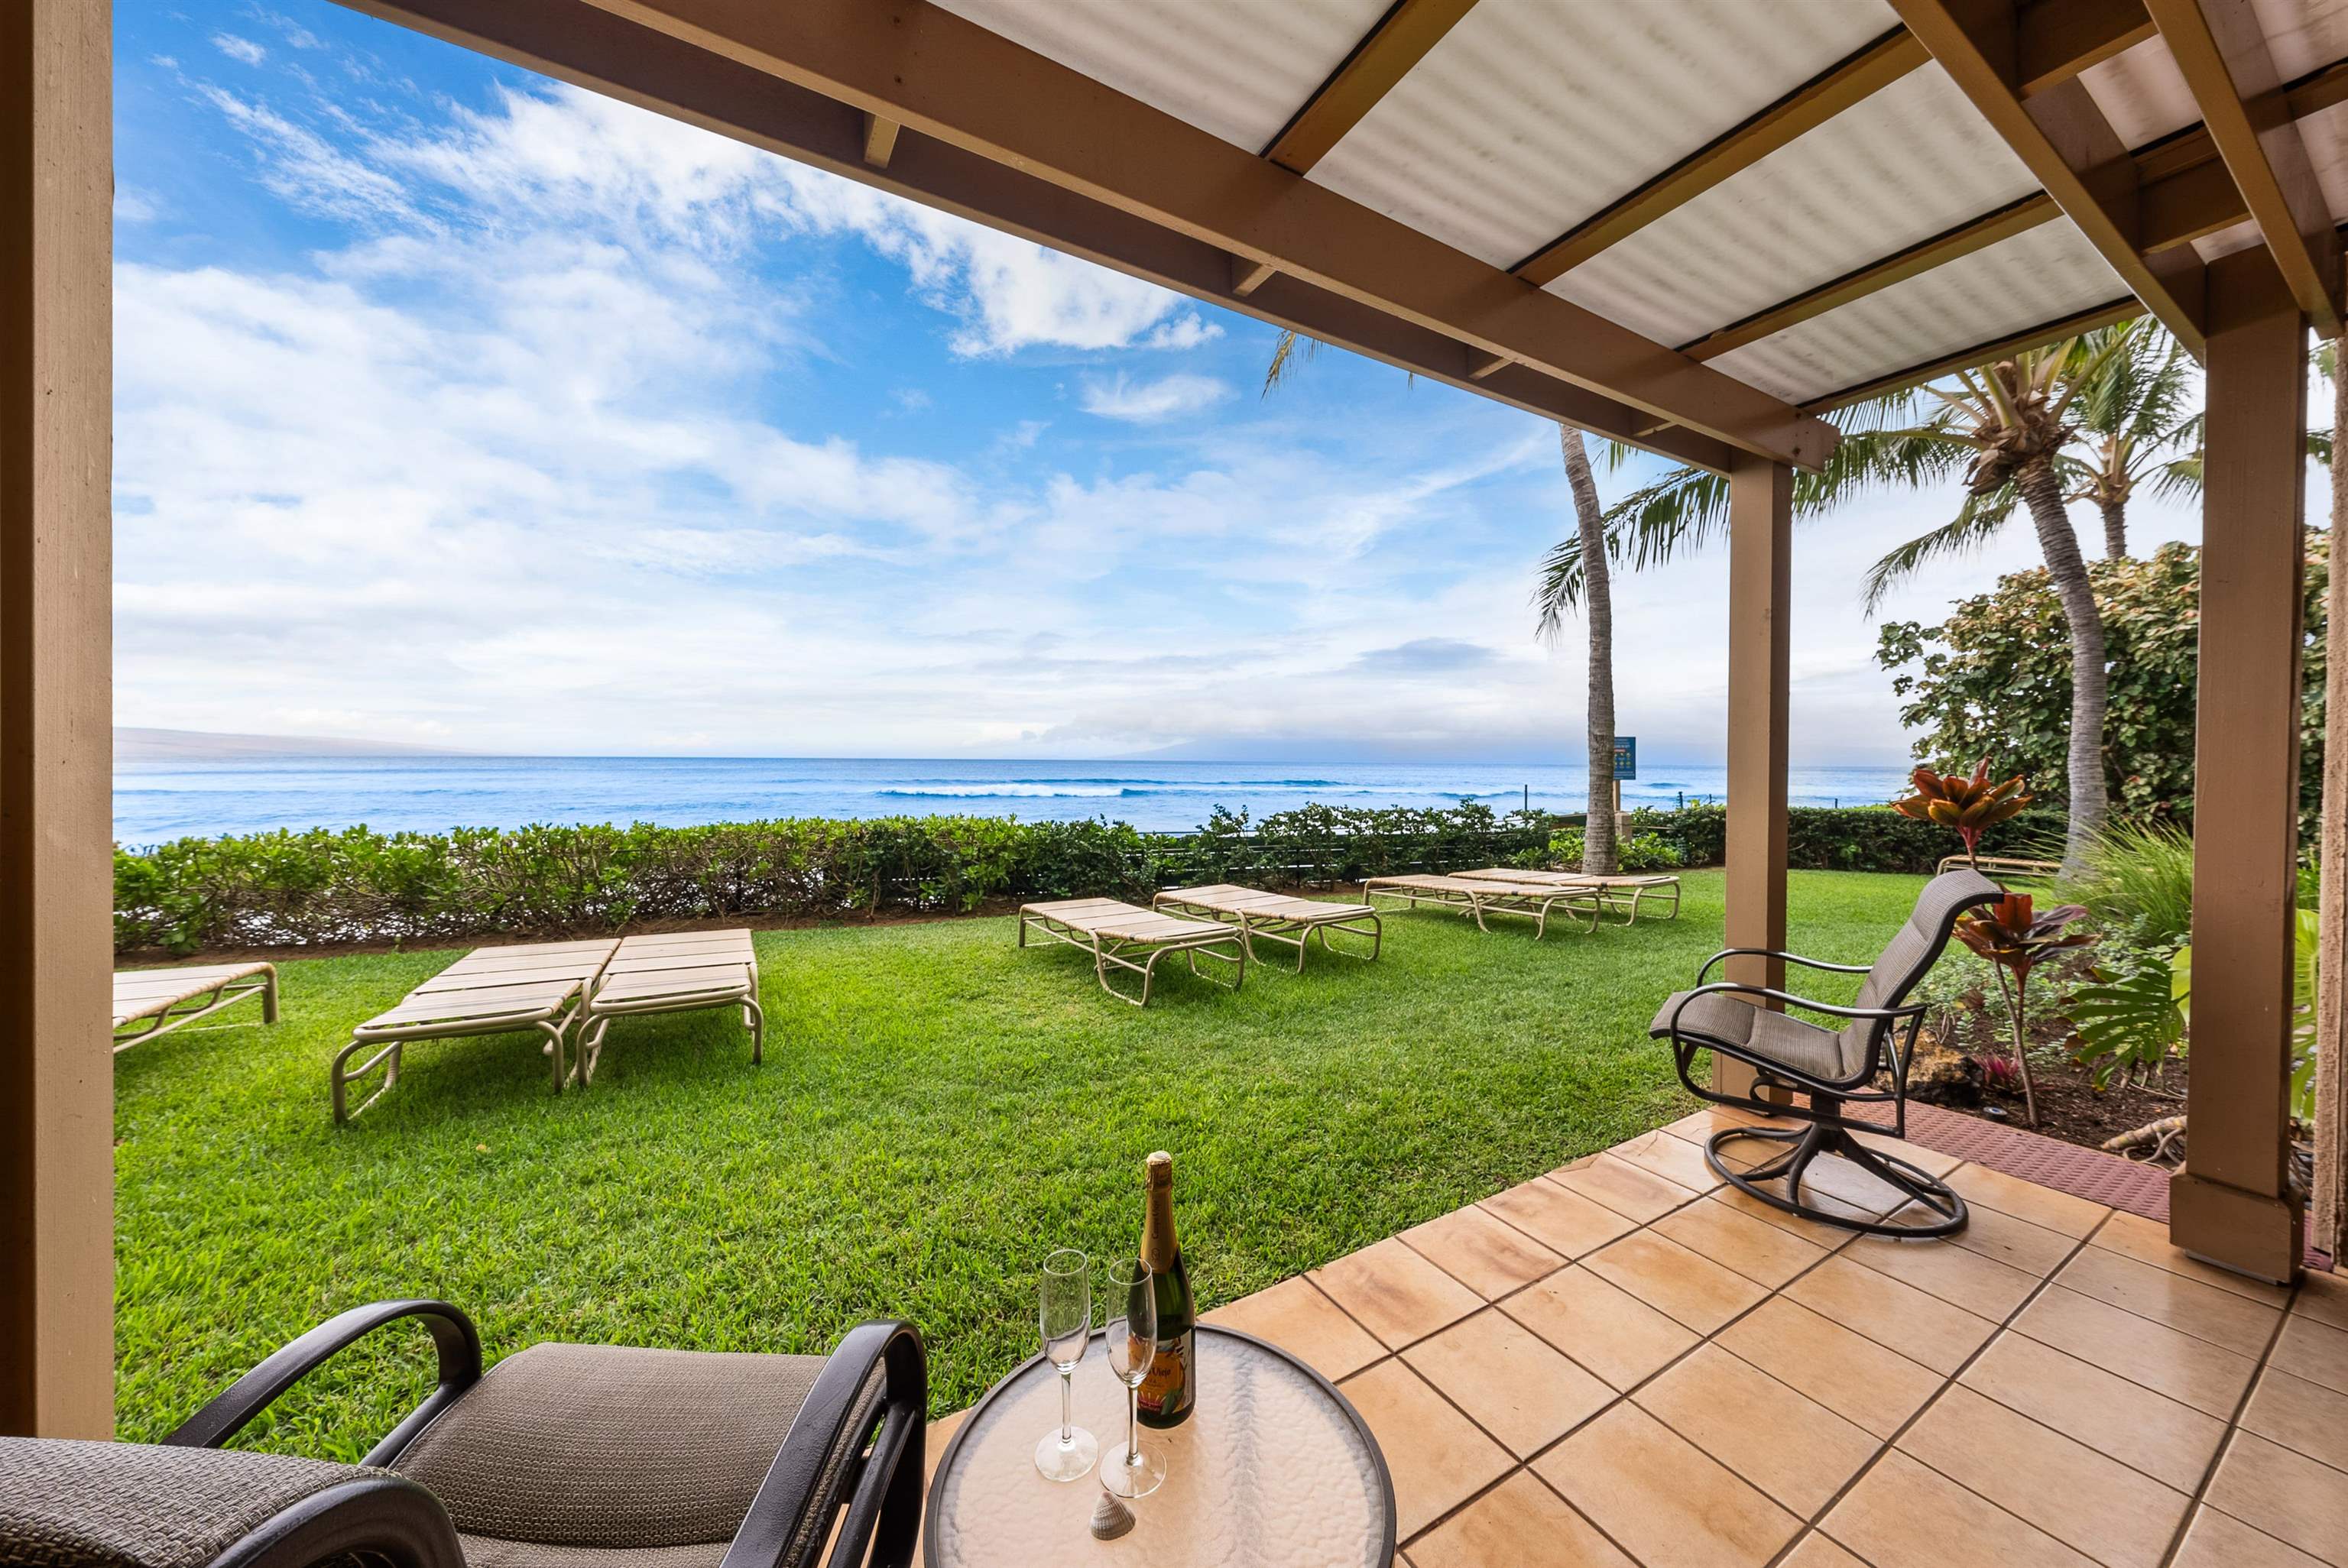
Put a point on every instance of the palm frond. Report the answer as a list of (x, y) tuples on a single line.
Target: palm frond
[(1284, 357), (1976, 522)]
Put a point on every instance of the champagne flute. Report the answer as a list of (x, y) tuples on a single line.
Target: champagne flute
[(1129, 1469), (1065, 1314)]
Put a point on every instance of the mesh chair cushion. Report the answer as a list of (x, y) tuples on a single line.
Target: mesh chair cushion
[(72, 1504), (1725, 1021), (488, 1552), (602, 1446)]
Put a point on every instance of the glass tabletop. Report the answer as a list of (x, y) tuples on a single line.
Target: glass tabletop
[(1274, 1469)]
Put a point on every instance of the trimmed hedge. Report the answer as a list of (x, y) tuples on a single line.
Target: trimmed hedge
[(1853, 837), (325, 887)]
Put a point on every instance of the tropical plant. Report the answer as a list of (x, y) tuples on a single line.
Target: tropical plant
[(1599, 856), (2016, 939), (1996, 675), (2139, 878), (2129, 1013), (2136, 422), (1972, 805)]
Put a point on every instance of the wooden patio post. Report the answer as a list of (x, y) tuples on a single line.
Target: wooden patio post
[(1760, 585), (2231, 1205), (57, 1078)]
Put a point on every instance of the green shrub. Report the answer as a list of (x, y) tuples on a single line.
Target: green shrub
[(1847, 838), (355, 885), (2139, 880)]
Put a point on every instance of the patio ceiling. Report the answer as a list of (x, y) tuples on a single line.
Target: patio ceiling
[(1694, 227)]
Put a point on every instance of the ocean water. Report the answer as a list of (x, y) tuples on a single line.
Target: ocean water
[(158, 801)]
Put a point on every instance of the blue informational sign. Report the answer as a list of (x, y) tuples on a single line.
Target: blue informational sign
[(1626, 757)]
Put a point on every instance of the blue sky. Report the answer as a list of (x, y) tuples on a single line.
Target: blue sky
[(458, 406)]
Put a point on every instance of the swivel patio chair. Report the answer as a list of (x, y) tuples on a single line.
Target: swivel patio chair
[(1831, 1068), (561, 1456)]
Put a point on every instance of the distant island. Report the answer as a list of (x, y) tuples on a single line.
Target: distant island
[(144, 745)]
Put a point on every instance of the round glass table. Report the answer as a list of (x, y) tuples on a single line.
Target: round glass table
[(1274, 1467)]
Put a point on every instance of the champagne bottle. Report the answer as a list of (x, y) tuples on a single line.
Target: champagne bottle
[(1167, 1395)]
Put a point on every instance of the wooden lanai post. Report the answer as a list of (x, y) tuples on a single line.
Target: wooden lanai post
[(2231, 1205), (1760, 587), (56, 1077)]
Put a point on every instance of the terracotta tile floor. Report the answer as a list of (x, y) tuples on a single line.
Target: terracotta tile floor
[(1624, 1363)]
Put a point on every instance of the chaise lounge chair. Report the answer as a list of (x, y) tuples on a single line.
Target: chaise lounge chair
[(1479, 896), (681, 972), (1115, 933), (561, 1456), (1829, 1067), (1618, 895), (148, 1003), (534, 987), (1277, 918)]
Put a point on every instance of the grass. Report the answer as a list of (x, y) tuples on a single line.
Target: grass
[(937, 1110)]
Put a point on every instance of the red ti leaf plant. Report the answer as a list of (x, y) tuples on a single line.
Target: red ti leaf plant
[(2015, 939), (1969, 805)]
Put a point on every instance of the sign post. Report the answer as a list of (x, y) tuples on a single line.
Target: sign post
[(1626, 765)]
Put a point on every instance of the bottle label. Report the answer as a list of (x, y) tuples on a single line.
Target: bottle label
[(1167, 1393)]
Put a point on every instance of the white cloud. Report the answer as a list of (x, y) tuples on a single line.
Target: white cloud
[(1145, 402), (241, 49), (134, 205), (1188, 330)]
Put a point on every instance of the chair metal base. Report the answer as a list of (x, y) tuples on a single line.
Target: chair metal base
[(1829, 1139)]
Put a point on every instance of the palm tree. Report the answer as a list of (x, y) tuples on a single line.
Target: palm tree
[(2002, 429), (2133, 420), (1598, 847)]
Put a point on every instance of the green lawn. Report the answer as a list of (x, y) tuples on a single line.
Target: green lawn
[(937, 1110)]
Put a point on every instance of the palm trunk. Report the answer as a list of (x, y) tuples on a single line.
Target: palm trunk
[(2115, 530), (1598, 837), (2067, 568)]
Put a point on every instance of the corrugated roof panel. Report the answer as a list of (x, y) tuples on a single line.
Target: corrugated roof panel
[(2040, 275), (2143, 94), (1239, 69), (1531, 115), (1911, 161)]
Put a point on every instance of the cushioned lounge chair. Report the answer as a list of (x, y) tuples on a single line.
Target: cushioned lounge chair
[(1626, 894), (681, 972), (1277, 918), (561, 1456), (533, 988), (1829, 1067), (1117, 934), (1478, 897), (148, 1003)]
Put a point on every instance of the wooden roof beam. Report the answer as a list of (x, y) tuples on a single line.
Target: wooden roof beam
[(590, 49), (1400, 40), (2069, 146), (955, 82), (1807, 107), (879, 139), (2054, 40), (2222, 49)]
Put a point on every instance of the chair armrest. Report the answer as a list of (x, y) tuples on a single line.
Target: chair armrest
[(454, 1339), (1913, 1009), (1779, 953), (831, 1460)]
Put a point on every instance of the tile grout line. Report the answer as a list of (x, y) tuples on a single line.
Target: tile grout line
[(2233, 1429), (1816, 1522)]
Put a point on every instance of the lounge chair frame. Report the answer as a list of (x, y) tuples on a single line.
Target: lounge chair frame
[(1090, 925), (1477, 898), (543, 994), (1276, 917), (1890, 1048), (1625, 895), (174, 998), (703, 968)]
